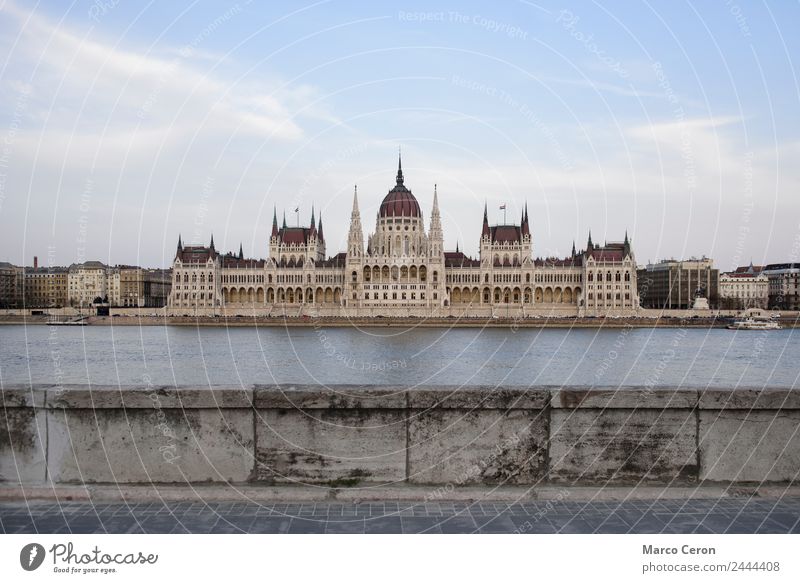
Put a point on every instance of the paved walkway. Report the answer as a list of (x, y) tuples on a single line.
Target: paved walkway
[(730, 515)]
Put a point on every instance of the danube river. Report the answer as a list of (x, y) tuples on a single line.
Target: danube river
[(214, 356)]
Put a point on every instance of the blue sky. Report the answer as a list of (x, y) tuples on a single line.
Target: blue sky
[(126, 123)]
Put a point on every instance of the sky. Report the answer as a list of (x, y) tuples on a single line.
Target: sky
[(124, 124)]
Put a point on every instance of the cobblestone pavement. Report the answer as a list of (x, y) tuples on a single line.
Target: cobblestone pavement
[(729, 515)]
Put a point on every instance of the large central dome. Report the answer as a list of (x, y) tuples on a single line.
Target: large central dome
[(399, 202)]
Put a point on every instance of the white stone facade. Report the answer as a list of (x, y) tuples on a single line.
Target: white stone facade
[(744, 288), (403, 270)]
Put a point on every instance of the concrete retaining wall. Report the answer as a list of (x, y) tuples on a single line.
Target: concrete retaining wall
[(445, 436)]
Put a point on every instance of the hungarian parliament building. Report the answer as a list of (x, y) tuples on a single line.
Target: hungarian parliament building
[(404, 270)]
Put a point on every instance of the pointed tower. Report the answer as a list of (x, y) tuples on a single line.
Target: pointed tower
[(241, 252), (589, 244), (485, 233), (180, 247), (399, 168), (355, 237), (626, 245), (313, 227), (435, 234), (274, 223), (284, 220), (573, 248), (526, 228), (211, 246)]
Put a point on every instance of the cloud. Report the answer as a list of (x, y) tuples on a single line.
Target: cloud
[(96, 89)]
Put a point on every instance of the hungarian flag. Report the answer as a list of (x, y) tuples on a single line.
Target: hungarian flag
[(503, 207)]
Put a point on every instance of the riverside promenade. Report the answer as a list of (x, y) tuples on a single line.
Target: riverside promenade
[(303, 458), (743, 515)]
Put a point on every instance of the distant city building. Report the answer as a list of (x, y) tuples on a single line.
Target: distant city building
[(46, 287), (674, 285), (783, 285), (746, 287), (143, 288), (10, 291), (404, 270), (88, 282)]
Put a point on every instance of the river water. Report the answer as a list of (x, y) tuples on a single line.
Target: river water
[(231, 356)]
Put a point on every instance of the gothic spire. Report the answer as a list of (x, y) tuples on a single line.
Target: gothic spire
[(435, 234), (180, 244), (284, 218), (355, 237), (589, 245), (485, 231), (212, 242), (526, 228), (312, 215), (319, 229), (241, 253), (399, 168), (274, 221), (573, 248)]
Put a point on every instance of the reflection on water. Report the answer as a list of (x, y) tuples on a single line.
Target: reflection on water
[(189, 355)]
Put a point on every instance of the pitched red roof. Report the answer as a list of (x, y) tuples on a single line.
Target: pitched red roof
[(196, 254), (458, 259), (576, 261), (337, 260), (506, 233), (296, 235), (236, 263), (607, 255)]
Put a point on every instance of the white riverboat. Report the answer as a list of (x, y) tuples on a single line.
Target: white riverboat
[(754, 319)]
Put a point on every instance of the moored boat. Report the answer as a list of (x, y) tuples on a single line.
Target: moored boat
[(754, 319)]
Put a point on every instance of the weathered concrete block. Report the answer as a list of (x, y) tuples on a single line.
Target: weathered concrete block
[(149, 397), (478, 397), (330, 446), (624, 398), (750, 398), (456, 446), (150, 445), (23, 442), (329, 397), (750, 446), (620, 444), (22, 396)]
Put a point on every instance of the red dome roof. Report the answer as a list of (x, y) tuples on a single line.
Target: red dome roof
[(399, 202)]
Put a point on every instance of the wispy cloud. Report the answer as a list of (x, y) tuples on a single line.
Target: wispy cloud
[(93, 88)]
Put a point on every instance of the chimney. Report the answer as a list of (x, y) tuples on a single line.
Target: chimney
[(35, 262)]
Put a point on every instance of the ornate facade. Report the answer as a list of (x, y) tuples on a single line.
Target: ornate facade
[(403, 270)]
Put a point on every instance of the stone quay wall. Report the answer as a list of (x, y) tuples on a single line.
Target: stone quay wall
[(446, 437)]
